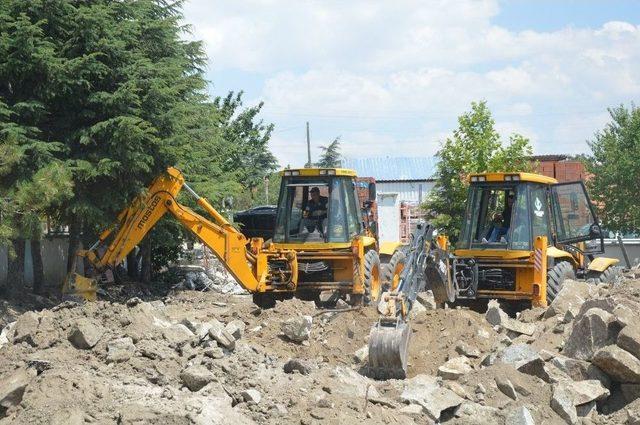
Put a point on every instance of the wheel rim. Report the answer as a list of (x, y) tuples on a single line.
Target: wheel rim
[(375, 284), (395, 280)]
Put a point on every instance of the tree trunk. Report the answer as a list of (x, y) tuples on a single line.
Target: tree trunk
[(15, 270), (132, 265), (38, 267), (74, 243), (146, 260)]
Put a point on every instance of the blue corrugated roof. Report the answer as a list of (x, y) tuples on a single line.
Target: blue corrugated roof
[(393, 168)]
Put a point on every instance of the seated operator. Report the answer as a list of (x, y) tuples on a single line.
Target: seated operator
[(315, 211), (502, 222)]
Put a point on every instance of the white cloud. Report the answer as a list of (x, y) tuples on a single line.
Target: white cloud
[(393, 76)]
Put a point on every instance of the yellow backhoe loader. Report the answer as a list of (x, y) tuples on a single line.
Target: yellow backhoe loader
[(323, 239), (522, 236)]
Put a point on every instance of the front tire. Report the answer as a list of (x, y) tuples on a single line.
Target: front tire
[(392, 271), (372, 280), (556, 278)]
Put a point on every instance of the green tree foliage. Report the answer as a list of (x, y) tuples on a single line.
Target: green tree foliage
[(615, 170), (228, 154), (330, 157), (474, 147), (99, 96)]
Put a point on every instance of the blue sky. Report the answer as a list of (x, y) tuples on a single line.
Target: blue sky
[(390, 78)]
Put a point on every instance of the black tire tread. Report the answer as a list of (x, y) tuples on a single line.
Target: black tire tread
[(609, 275), (556, 277), (398, 257), (371, 261)]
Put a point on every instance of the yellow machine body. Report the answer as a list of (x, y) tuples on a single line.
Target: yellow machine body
[(271, 268), (529, 267)]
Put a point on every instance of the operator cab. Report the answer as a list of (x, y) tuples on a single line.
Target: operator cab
[(317, 205), (508, 211)]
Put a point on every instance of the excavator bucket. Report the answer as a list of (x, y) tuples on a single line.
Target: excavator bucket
[(388, 349), (79, 287)]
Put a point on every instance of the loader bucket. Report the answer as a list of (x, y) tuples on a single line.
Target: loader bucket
[(78, 287), (388, 349)]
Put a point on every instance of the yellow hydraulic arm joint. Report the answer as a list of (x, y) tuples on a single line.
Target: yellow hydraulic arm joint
[(250, 267)]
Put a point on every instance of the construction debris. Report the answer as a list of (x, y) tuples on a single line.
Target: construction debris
[(217, 359)]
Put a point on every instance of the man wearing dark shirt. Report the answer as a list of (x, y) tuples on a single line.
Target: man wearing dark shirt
[(502, 222), (316, 210)]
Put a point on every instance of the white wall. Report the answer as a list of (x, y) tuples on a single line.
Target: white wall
[(389, 197), (407, 191)]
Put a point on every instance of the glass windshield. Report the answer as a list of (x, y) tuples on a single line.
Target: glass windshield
[(573, 214), (497, 216), (316, 210)]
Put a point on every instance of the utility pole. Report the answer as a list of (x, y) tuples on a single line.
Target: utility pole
[(308, 148)]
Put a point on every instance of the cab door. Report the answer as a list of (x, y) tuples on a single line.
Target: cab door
[(573, 216)]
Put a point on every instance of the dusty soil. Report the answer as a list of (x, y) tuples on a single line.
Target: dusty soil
[(70, 385)]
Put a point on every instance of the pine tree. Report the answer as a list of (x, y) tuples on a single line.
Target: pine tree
[(330, 157)]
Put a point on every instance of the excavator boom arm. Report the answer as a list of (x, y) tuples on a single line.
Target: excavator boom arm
[(250, 268)]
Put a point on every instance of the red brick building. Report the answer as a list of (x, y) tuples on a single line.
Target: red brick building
[(560, 167)]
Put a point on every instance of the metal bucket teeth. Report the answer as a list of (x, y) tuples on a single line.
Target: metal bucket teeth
[(388, 349)]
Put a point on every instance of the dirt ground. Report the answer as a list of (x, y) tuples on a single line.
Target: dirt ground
[(153, 382)]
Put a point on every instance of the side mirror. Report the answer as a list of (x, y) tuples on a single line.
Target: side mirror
[(372, 191), (595, 232)]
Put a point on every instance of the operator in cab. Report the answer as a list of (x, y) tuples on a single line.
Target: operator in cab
[(316, 210), (502, 222)]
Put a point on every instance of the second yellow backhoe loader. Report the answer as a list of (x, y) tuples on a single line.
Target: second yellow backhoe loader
[(322, 240), (522, 236)]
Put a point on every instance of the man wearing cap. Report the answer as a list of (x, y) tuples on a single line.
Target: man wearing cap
[(316, 210)]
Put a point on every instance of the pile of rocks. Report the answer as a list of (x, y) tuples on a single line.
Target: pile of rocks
[(208, 358)]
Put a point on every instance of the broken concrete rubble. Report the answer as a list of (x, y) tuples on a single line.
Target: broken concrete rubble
[(297, 329), (595, 329), (570, 298), (6, 336), (85, 334), (120, 350), (12, 387), (629, 339), (519, 416), (218, 332), (506, 387), (525, 359), (497, 317), (580, 370), (582, 392), (455, 368), (563, 405), (327, 381), (235, 328), (26, 327), (297, 365), (469, 413), (425, 391), (196, 377), (619, 364)]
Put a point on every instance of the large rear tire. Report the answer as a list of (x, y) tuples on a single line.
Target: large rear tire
[(610, 275), (556, 277), (372, 278), (392, 270)]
